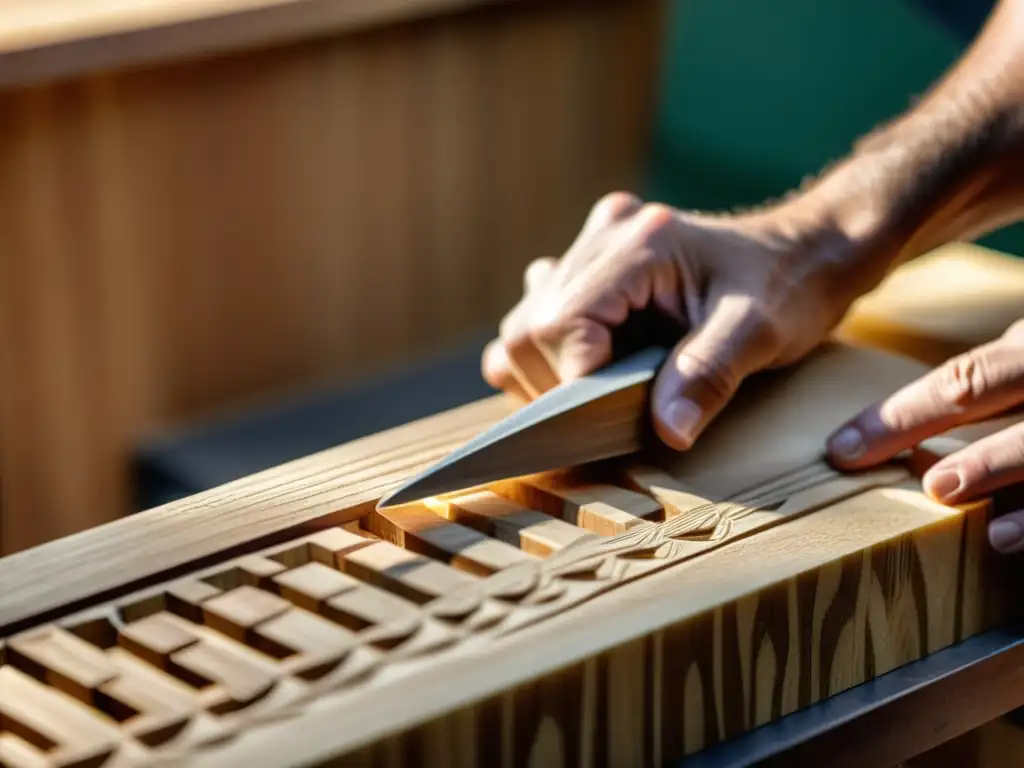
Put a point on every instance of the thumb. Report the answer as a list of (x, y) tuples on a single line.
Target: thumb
[(706, 368)]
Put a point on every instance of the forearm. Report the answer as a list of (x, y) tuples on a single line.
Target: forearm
[(950, 168)]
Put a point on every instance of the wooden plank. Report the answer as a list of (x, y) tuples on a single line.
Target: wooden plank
[(939, 305)]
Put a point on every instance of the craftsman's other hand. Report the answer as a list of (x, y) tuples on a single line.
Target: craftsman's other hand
[(977, 385), (754, 291)]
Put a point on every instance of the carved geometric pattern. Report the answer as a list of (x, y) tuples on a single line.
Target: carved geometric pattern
[(256, 639)]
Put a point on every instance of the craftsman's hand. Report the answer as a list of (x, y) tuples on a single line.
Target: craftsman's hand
[(754, 292), (977, 385)]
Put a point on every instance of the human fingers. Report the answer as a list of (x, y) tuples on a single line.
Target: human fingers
[(990, 464), (706, 368), (970, 387), (498, 373), (565, 330), (1006, 533), (496, 368)]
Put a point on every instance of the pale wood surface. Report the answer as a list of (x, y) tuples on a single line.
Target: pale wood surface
[(658, 667), (781, 589), (190, 237)]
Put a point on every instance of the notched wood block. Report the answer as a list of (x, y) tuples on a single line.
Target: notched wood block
[(164, 703), (53, 721), (412, 576), (253, 571), (186, 598), (235, 613), (420, 529), (309, 585), (673, 495), (331, 545), (369, 606), (603, 509), (63, 660), (299, 631), (155, 638), (242, 674), (534, 532)]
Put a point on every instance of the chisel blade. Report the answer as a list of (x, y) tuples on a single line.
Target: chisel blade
[(595, 417)]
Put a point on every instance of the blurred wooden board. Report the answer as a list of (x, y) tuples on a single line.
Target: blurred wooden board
[(127, 188), (47, 39), (941, 304)]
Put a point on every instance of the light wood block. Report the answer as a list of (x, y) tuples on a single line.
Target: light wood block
[(237, 612), (604, 509), (410, 575), (308, 586), (62, 660), (303, 632), (533, 532), (419, 529), (155, 637), (330, 546), (46, 717)]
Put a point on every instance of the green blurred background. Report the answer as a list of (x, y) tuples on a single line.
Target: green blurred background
[(757, 95)]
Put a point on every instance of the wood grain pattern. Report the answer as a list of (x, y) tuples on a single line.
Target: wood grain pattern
[(659, 667), (657, 641), (190, 236)]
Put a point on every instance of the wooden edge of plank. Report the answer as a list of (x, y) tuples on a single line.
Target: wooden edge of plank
[(149, 37), (450, 681), (325, 488)]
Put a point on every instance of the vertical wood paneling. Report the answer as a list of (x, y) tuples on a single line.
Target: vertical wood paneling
[(176, 238)]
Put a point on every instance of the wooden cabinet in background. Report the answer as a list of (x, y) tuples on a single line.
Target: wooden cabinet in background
[(202, 203)]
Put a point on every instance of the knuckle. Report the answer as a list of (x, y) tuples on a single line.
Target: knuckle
[(614, 206), (493, 365), (961, 380), (537, 270), (1015, 333), (718, 377)]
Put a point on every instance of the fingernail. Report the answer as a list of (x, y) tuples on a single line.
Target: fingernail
[(943, 484), (1005, 534), (683, 417), (848, 444)]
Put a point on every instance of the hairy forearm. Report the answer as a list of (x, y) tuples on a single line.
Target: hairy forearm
[(950, 168)]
